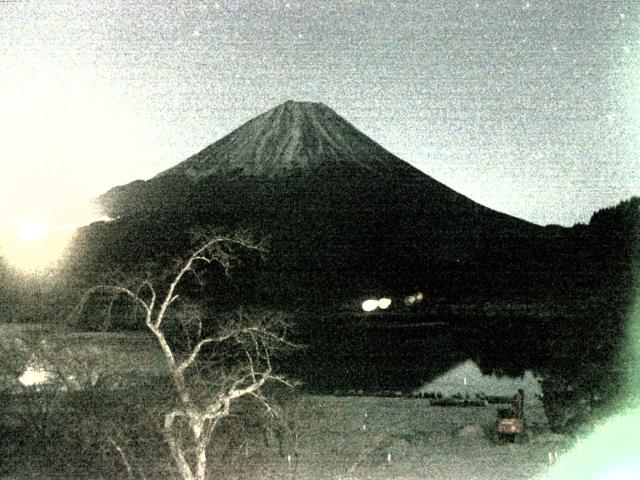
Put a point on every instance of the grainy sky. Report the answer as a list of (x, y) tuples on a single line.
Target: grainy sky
[(529, 107)]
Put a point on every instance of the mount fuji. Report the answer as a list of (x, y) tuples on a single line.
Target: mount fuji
[(345, 216)]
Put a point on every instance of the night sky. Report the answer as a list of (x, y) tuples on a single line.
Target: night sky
[(529, 107)]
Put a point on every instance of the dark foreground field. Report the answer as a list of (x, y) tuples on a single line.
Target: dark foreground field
[(325, 437)]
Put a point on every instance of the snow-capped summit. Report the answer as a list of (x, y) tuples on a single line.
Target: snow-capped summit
[(294, 137)]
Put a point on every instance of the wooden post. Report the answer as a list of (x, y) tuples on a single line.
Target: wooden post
[(518, 404)]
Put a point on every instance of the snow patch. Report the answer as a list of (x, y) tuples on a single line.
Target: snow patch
[(291, 136)]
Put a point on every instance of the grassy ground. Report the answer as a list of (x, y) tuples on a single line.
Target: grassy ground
[(329, 438), (382, 438)]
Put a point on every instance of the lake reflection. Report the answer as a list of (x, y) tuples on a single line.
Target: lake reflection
[(400, 353)]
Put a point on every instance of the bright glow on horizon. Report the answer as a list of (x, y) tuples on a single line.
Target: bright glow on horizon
[(35, 251), (35, 244), (69, 135), (31, 230)]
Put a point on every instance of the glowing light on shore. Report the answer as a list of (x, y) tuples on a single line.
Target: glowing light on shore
[(413, 298), (384, 303), (370, 305), (33, 376), (373, 304)]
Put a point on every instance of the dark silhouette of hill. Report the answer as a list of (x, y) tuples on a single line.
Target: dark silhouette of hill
[(344, 215)]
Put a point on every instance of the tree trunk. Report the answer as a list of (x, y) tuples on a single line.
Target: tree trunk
[(201, 458), (176, 449)]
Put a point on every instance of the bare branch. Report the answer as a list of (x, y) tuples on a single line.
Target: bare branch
[(236, 392), (194, 353), (267, 406), (251, 366), (164, 345), (209, 252), (201, 258), (123, 457), (149, 285), (107, 322), (109, 289)]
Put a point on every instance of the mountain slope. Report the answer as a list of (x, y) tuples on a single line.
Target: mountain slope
[(343, 213), (292, 137), (293, 140)]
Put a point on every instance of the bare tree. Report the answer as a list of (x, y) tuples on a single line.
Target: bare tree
[(238, 360)]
